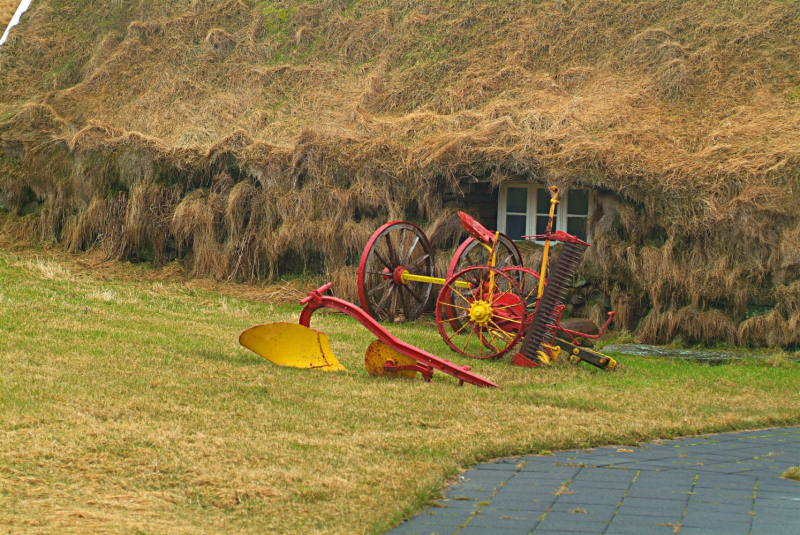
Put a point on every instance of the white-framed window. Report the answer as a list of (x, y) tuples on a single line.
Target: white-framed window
[(524, 209)]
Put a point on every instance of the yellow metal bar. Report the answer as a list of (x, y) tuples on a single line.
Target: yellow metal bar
[(492, 262), (410, 277), (543, 270)]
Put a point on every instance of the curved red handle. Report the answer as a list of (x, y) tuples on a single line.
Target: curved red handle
[(316, 300)]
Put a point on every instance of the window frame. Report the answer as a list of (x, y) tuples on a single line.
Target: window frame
[(534, 190)]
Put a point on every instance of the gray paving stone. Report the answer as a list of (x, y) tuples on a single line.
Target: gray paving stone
[(505, 507), (774, 506), (426, 519), (782, 527), (717, 481), (420, 528), (704, 531), (570, 515), (719, 508), (542, 496), (635, 519), (456, 505), (593, 499), (570, 525), (593, 509), (667, 507), (729, 523), (659, 493), (779, 495), (599, 486), (639, 529), (720, 495), (467, 495), (509, 522), (494, 530), (605, 474)]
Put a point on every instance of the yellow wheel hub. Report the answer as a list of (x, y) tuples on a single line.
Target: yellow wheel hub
[(480, 312)]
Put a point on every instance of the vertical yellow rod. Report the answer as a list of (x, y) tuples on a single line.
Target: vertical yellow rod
[(492, 261), (543, 271)]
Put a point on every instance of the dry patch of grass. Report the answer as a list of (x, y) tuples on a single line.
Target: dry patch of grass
[(128, 405), (792, 473), (7, 9)]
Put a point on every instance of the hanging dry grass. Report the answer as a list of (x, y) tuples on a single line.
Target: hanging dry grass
[(254, 138)]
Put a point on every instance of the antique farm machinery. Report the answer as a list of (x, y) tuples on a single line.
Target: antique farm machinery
[(299, 346), (487, 304), (489, 301)]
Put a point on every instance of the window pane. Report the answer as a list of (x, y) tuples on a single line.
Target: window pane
[(541, 224), (515, 226), (578, 203), (517, 201), (577, 227), (543, 201)]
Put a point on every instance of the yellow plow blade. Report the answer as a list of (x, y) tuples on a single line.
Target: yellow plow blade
[(291, 344)]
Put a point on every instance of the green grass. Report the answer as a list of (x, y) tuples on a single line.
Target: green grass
[(128, 406)]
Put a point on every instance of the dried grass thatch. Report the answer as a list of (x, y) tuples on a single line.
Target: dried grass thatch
[(250, 138)]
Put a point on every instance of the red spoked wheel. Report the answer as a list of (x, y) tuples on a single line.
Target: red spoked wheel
[(395, 247), (473, 253), (480, 312), (528, 281)]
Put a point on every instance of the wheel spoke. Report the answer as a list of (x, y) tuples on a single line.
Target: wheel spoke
[(464, 349), (379, 287), (401, 246), (505, 306), (457, 318), (460, 329), (459, 293), (417, 262), (494, 340), (505, 261), (452, 305), (393, 306), (404, 303), (471, 261), (413, 293), (382, 302), (392, 252), (382, 259), (501, 331), (410, 249)]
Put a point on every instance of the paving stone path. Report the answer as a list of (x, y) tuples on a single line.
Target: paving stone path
[(726, 484)]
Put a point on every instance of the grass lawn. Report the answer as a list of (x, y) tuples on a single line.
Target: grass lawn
[(127, 406)]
